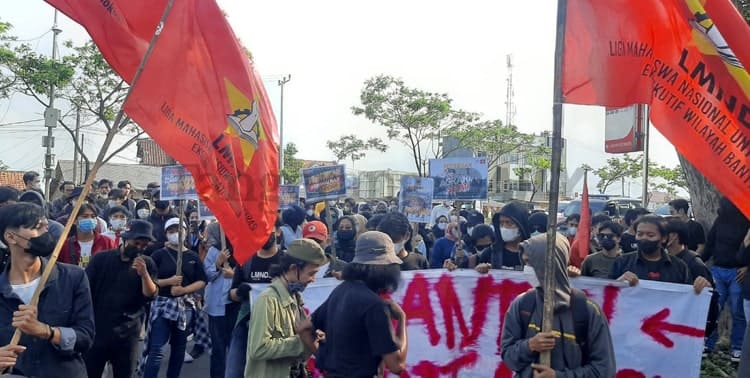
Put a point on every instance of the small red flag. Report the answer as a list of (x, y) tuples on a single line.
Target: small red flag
[(686, 59), (202, 100), (581, 243)]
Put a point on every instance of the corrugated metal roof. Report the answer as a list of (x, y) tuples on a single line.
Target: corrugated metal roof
[(139, 175), (151, 153)]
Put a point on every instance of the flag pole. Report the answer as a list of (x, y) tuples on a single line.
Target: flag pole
[(554, 190), (121, 119)]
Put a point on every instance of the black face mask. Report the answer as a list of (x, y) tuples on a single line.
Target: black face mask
[(161, 204), (481, 248), (42, 245), (131, 251), (649, 247), (345, 235), (607, 244)]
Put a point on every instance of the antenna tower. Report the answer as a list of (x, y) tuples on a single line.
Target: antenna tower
[(510, 106)]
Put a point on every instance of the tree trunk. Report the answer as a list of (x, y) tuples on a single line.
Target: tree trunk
[(704, 196)]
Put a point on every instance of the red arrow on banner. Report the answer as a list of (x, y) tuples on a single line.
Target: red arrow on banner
[(656, 327)]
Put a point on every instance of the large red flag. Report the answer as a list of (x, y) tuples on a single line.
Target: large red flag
[(581, 243), (682, 58), (202, 100)]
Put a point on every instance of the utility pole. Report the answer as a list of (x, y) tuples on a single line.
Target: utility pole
[(51, 117), (75, 149), (284, 79), (646, 126)]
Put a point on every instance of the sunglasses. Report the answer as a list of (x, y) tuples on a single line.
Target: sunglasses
[(605, 236)]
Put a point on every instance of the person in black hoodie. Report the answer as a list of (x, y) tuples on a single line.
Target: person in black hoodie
[(724, 240), (511, 228), (345, 238), (438, 229), (158, 218)]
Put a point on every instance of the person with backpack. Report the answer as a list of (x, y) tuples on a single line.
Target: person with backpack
[(591, 353)]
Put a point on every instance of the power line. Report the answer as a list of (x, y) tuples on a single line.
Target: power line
[(25, 40), (20, 122)]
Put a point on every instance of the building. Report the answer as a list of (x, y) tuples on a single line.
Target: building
[(152, 154), (379, 184), (139, 175), (13, 179), (513, 177)]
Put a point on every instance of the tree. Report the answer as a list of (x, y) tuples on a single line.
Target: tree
[(616, 170), (349, 146), (491, 138), (292, 165), (673, 179), (537, 164), (413, 117), (744, 7)]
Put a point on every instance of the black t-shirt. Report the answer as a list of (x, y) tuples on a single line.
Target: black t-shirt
[(696, 235), (628, 243), (500, 258), (255, 270), (116, 291), (356, 339), (166, 263)]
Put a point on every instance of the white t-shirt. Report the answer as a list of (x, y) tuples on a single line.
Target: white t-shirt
[(26, 291), (85, 251)]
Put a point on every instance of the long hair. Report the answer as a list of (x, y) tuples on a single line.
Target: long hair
[(378, 278)]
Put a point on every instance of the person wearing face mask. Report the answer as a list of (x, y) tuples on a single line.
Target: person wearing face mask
[(538, 223), (86, 242), (479, 256), (118, 220), (173, 307), (444, 247), (142, 209), (397, 227), (589, 354), (345, 238), (600, 264), (511, 228), (56, 332), (310, 213), (158, 218), (293, 218), (31, 196), (571, 222), (651, 261), (275, 348), (359, 340), (438, 229), (122, 283), (441, 210), (117, 197)]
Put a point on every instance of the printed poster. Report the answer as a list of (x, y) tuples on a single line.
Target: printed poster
[(177, 184), (459, 178), (288, 196), (415, 200), (323, 183)]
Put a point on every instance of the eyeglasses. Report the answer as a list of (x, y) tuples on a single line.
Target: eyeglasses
[(605, 236)]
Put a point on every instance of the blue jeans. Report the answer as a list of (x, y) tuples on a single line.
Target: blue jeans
[(237, 351), (746, 303), (163, 331), (729, 289)]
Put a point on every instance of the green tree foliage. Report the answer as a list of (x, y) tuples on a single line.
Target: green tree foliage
[(491, 138), (292, 165), (416, 118), (537, 164), (351, 147), (617, 169)]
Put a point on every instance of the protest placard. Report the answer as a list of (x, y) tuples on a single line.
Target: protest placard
[(415, 199), (177, 184), (322, 183), (459, 178), (204, 213), (288, 196)]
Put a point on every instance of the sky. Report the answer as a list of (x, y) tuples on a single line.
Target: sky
[(331, 48)]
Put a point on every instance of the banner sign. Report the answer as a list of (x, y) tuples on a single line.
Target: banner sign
[(322, 183), (177, 184), (455, 322), (459, 178), (204, 213), (415, 200), (623, 129), (288, 196)]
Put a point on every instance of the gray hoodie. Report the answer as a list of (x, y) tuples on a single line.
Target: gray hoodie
[(566, 356)]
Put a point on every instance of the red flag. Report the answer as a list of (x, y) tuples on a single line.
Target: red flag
[(581, 243), (202, 100), (682, 58)]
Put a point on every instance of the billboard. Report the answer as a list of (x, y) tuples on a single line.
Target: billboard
[(623, 129)]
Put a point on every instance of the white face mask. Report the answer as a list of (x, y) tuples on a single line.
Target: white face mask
[(442, 226), (173, 239), (469, 230), (530, 275), (535, 233), (143, 213), (112, 203), (310, 213), (572, 231), (509, 234), (117, 224)]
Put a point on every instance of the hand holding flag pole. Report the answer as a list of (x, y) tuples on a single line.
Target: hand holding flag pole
[(120, 119)]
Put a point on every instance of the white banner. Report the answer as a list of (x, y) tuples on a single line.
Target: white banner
[(455, 321)]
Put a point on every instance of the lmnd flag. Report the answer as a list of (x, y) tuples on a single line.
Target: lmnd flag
[(202, 100), (686, 58)]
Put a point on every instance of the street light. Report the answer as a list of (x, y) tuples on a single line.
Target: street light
[(284, 79)]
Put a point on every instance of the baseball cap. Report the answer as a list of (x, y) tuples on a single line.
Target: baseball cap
[(375, 248), (315, 230), (307, 250), (171, 222)]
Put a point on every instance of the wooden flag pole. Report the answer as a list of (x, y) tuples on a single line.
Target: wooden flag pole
[(223, 237), (120, 121), (545, 358)]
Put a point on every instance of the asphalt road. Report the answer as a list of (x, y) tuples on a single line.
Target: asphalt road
[(196, 369)]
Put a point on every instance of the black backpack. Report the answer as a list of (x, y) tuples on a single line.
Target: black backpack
[(580, 318)]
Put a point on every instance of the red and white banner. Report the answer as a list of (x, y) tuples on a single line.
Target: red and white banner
[(455, 322), (623, 129)]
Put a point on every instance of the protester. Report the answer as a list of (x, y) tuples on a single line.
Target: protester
[(627, 240), (219, 275), (571, 223), (511, 228), (345, 238), (126, 187), (696, 241), (159, 216), (381, 208), (32, 181), (118, 217), (724, 240), (439, 227), (274, 348), (318, 232), (55, 228), (651, 261), (255, 271), (358, 339), (538, 223), (744, 257), (361, 223), (58, 205), (374, 221), (444, 247), (86, 242), (600, 263), (102, 192), (142, 209), (443, 209), (293, 218), (173, 307), (590, 355), (57, 331), (117, 197), (483, 238), (350, 206), (122, 284), (428, 238), (397, 227)]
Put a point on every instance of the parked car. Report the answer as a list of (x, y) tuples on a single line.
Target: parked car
[(614, 206)]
